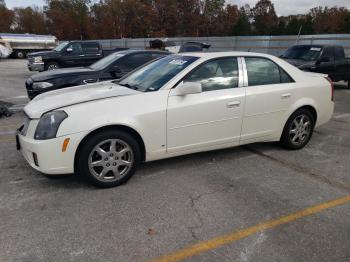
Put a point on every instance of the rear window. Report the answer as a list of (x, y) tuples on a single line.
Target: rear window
[(262, 71), (91, 47)]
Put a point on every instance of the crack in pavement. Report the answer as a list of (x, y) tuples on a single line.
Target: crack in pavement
[(300, 170), (195, 199)]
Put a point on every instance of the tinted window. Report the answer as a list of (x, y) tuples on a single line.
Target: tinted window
[(76, 47), (328, 52), (339, 53), (215, 75), (112, 59), (133, 61), (91, 47), (263, 71), (157, 55)]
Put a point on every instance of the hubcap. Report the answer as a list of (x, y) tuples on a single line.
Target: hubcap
[(300, 129), (110, 160), (52, 67)]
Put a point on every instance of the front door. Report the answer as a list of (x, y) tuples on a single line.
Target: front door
[(74, 55), (212, 117)]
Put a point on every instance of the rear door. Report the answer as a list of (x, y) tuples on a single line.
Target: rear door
[(341, 64), (328, 67), (92, 52), (269, 93)]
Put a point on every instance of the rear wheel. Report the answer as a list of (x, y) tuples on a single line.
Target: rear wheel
[(298, 129), (109, 158), (51, 66), (20, 54)]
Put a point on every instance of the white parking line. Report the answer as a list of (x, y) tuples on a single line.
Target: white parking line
[(13, 98), (345, 115)]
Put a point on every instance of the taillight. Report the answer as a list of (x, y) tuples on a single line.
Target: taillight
[(332, 87)]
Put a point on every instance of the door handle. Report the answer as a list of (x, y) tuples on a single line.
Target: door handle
[(233, 104), (285, 96), (81, 55)]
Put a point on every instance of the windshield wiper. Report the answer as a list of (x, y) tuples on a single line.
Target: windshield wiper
[(129, 86)]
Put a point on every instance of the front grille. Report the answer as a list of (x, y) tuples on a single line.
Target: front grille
[(30, 60)]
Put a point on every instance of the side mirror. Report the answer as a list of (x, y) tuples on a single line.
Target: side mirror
[(188, 88), (69, 49), (324, 59)]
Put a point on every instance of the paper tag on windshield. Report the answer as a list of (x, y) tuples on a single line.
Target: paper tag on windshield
[(315, 49), (177, 62)]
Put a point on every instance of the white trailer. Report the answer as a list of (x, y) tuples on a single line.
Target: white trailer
[(21, 44)]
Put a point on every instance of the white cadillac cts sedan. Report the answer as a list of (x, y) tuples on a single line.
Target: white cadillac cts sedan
[(177, 105)]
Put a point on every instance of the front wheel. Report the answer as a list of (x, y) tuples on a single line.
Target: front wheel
[(51, 66), (109, 158), (298, 129)]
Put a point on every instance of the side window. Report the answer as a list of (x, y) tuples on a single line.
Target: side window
[(91, 48), (157, 55), (262, 71), (339, 53), (215, 75), (76, 48), (133, 61), (328, 51), (285, 78)]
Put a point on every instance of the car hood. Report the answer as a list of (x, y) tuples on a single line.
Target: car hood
[(74, 95), (43, 76), (42, 53), (300, 63)]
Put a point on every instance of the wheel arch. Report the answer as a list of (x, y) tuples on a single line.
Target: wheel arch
[(124, 128), (308, 107)]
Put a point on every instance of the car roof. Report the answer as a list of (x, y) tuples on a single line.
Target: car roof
[(223, 54), (129, 51)]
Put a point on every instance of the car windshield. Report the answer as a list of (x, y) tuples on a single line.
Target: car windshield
[(60, 46), (107, 61), (307, 53), (155, 75)]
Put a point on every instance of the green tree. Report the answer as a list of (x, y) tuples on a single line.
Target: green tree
[(30, 20), (243, 26), (264, 16), (6, 17)]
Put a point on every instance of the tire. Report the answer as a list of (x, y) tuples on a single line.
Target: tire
[(51, 66), (295, 134), (107, 168), (20, 54)]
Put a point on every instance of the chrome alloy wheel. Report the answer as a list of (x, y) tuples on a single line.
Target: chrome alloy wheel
[(52, 67), (300, 129), (110, 160)]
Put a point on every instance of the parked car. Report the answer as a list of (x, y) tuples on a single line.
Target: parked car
[(68, 54), (326, 59), (171, 46), (113, 66), (179, 104), (22, 44)]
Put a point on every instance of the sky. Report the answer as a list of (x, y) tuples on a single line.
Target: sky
[(283, 7)]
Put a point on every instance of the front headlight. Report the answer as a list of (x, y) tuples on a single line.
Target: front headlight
[(49, 124), (38, 59), (41, 85)]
